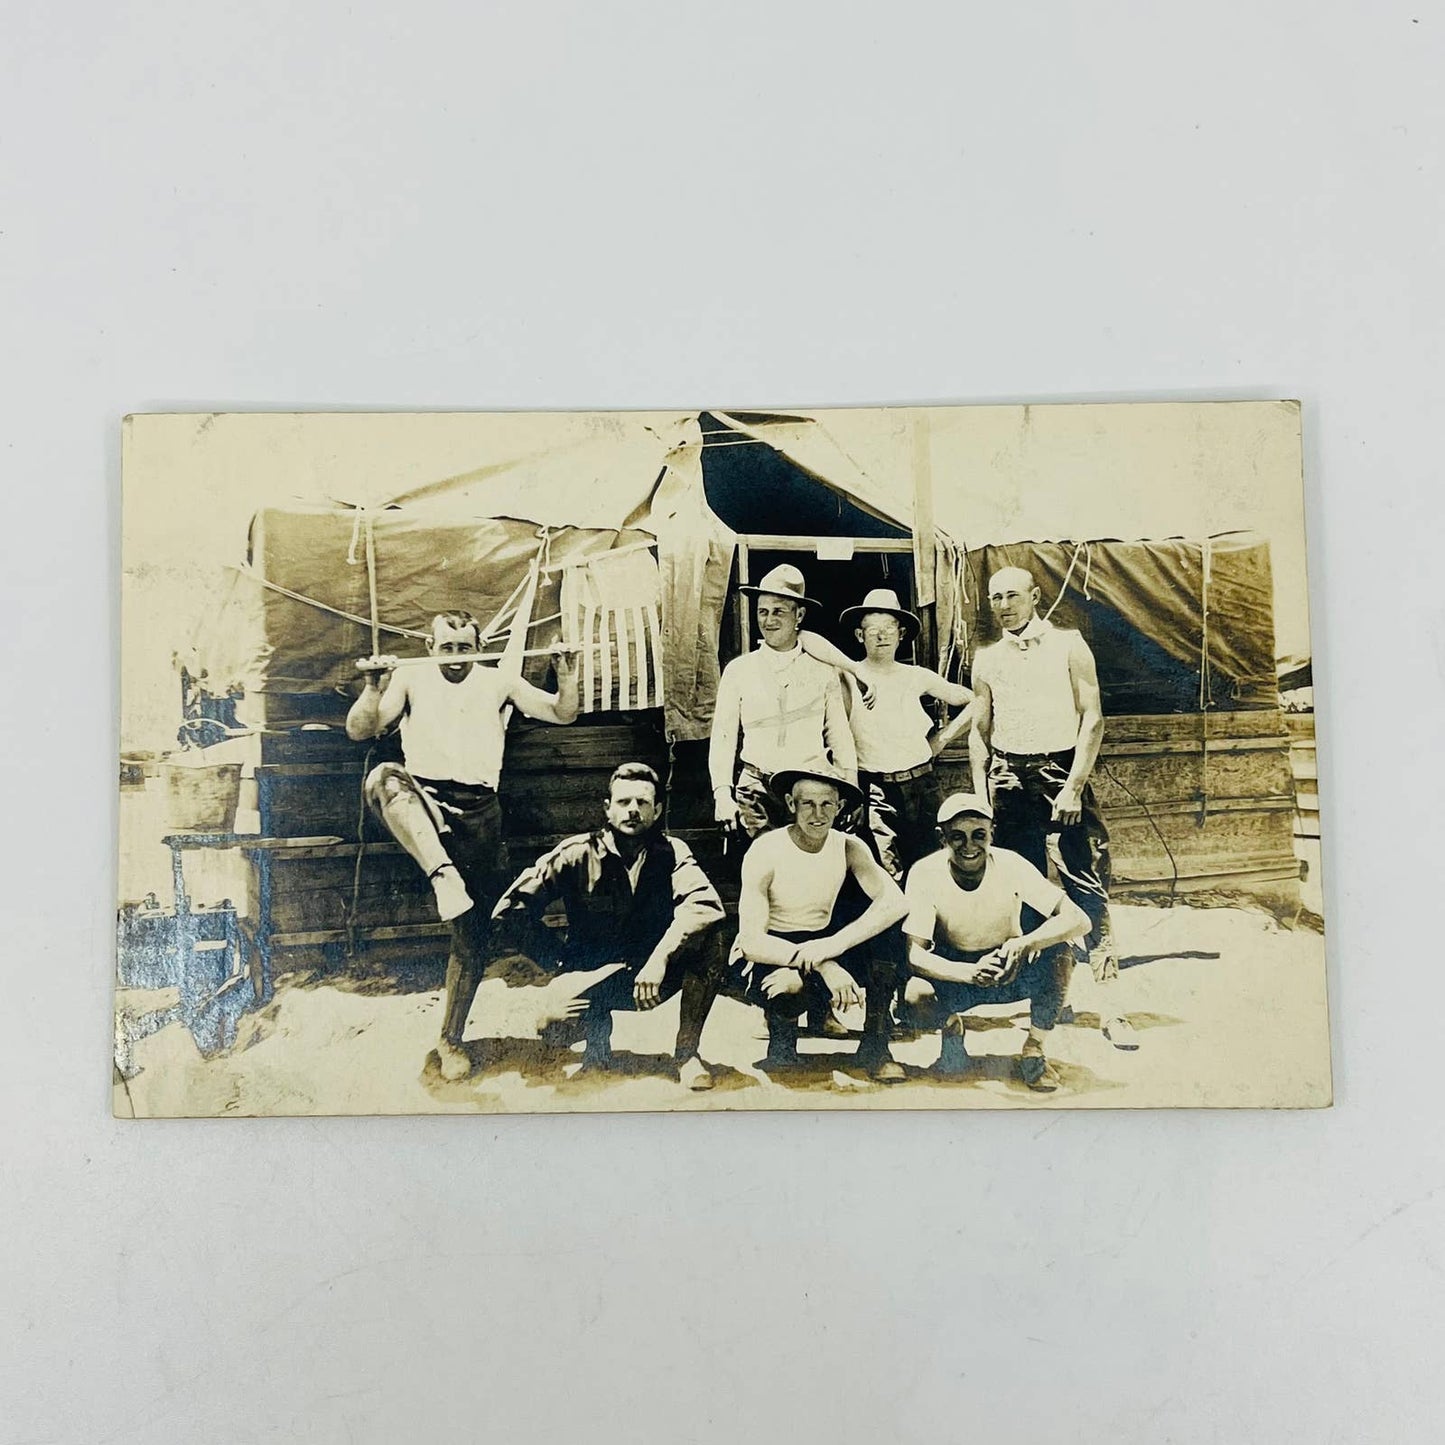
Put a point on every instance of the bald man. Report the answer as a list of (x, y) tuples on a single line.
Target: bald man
[(1035, 735)]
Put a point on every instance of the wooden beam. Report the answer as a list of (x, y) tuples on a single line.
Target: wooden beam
[(773, 542)]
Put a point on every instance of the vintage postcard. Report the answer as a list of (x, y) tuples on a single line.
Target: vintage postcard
[(954, 757)]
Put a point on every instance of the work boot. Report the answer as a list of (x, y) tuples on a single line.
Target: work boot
[(1038, 1073), (597, 1051), (952, 1053), (782, 1043), (876, 1059), (453, 900), (830, 1026), (455, 1062), (882, 1067)]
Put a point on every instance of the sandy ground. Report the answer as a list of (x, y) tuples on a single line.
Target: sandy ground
[(1229, 1008)]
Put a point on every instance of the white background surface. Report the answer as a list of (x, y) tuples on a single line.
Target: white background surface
[(660, 205)]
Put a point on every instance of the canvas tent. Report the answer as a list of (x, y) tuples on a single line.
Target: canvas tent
[(633, 563), (301, 612), (640, 526), (637, 530), (1177, 624)]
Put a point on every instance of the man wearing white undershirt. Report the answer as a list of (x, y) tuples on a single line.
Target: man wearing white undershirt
[(796, 947), (894, 734), (1037, 726), (985, 926), (442, 806)]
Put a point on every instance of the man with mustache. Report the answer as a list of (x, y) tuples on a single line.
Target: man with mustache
[(642, 917)]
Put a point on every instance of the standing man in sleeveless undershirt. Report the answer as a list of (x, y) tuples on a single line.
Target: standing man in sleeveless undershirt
[(894, 736), (1037, 726)]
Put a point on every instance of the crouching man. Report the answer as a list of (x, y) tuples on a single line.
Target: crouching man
[(795, 947), (967, 944), (639, 910)]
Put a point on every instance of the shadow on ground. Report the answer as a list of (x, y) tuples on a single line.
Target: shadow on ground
[(543, 1063)]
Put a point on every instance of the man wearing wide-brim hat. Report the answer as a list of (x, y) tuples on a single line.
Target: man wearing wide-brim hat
[(984, 926), (894, 735), (797, 945), (777, 707)]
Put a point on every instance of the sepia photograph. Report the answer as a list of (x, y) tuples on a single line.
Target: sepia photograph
[(943, 758)]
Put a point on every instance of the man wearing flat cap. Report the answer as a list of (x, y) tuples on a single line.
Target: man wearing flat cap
[(800, 944), (787, 706), (894, 733), (984, 926)]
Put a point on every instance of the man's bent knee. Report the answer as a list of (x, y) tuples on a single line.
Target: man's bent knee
[(918, 991), (385, 783)]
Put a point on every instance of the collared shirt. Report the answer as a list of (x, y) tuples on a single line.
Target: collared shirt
[(616, 911), (1027, 674), (790, 709)]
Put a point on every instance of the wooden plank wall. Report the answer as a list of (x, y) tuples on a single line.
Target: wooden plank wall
[(1193, 803), (1305, 767)]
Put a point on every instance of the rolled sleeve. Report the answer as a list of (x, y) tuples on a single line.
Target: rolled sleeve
[(696, 905)]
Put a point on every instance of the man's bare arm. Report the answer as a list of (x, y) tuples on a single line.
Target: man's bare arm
[(955, 694), (559, 707), (838, 733), (382, 701), (923, 961), (887, 905), (817, 646), (1067, 921), (758, 945), (1085, 679), (980, 735), (722, 745)]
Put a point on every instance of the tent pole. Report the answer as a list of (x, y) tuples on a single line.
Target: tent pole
[(925, 540), (371, 586), (744, 608)]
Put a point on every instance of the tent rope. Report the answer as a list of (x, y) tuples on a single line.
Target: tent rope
[(1064, 585), (1206, 561), (246, 570)]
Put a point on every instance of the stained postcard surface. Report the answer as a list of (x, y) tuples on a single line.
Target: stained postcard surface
[(893, 758)]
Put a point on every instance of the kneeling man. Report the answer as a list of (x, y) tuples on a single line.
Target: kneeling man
[(795, 947), (967, 908), (639, 909)]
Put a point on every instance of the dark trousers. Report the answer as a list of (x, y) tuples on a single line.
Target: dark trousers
[(1024, 789), (900, 818), (470, 828), (1041, 982), (694, 969), (873, 964)]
